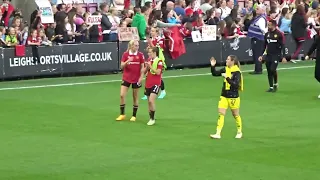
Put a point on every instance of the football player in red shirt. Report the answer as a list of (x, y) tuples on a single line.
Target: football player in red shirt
[(157, 41), (153, 81), (132, 64)]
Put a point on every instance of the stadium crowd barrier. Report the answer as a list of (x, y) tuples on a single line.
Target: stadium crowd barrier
[(105, 57)]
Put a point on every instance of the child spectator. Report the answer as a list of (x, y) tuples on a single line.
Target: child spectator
[(173, 18), (43, 38), (95, 32), (11, 38), (34, 41)]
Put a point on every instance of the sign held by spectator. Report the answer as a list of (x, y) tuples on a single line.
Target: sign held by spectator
[(46, 11), (74, 1), (128, 34), (94, 20), (209, 33)]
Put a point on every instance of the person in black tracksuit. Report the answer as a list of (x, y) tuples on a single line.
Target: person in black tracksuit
[(315, 46), (273, 54)]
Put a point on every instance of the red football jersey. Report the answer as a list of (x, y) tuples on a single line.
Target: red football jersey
[(132, 71), (33, 40), (185, 32), (158, 41), (154, 79)]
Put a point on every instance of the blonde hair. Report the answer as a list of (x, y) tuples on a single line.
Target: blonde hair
[(130, 44)]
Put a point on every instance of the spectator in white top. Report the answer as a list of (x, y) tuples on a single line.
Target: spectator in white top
[(226, 10), (115, 21)]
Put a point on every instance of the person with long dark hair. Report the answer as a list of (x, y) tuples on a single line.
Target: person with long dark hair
[(299, 29)]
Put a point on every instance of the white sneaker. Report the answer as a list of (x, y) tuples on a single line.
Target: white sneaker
[(151, 122), (239, 135), (215, 136), (319, 97)]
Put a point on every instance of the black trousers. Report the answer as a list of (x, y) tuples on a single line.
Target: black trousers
[(257, 47), (272, 62)]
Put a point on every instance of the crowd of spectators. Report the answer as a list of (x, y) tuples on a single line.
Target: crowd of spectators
[(232, 20)]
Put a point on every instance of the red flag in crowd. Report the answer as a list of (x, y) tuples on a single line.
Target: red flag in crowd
[(176, 44)]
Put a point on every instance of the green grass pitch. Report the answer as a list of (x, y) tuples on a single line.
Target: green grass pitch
[(69, 132)]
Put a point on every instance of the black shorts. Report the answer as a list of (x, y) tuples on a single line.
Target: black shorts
[(133, 85), (153, 90), (272, 62)]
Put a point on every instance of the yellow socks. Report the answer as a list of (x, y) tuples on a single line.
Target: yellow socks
[(220, 123), (239, 123)]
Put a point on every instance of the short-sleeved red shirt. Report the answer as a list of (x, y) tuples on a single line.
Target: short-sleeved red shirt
[(132, 71), (154, 79)]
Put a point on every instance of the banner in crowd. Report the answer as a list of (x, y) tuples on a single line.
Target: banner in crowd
[(74, 1), (94, 20), (128, 34), (63, 59), (105, 57), (46, 11), (241, 47), (209, 33)]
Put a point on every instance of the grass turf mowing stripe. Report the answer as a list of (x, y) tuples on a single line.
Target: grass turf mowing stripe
[(119, 80)]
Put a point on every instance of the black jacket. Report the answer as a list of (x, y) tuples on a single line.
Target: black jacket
[(105, 23), (234, 82), (298, 26)]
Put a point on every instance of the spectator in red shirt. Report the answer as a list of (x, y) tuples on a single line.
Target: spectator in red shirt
[(192, 7), (7, 6), (153, 81), (33, 39), (132, 64), (34, 42)]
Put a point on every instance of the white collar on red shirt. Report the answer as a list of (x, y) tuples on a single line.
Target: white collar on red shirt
[(131, 53)]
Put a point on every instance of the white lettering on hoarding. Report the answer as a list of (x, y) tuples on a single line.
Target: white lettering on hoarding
[(61, 59)]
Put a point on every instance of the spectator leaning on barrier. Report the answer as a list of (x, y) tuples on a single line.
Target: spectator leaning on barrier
[(256, 31), (11, 38)]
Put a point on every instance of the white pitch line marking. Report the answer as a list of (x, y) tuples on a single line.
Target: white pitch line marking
[(118, 80)]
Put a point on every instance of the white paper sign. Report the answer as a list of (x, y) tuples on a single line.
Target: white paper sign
[(196, 36), (209, 33), (74, 1), (94, 20), (46, 11)]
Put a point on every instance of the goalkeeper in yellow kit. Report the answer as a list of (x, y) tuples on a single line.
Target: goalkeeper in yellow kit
[(232, 84)]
